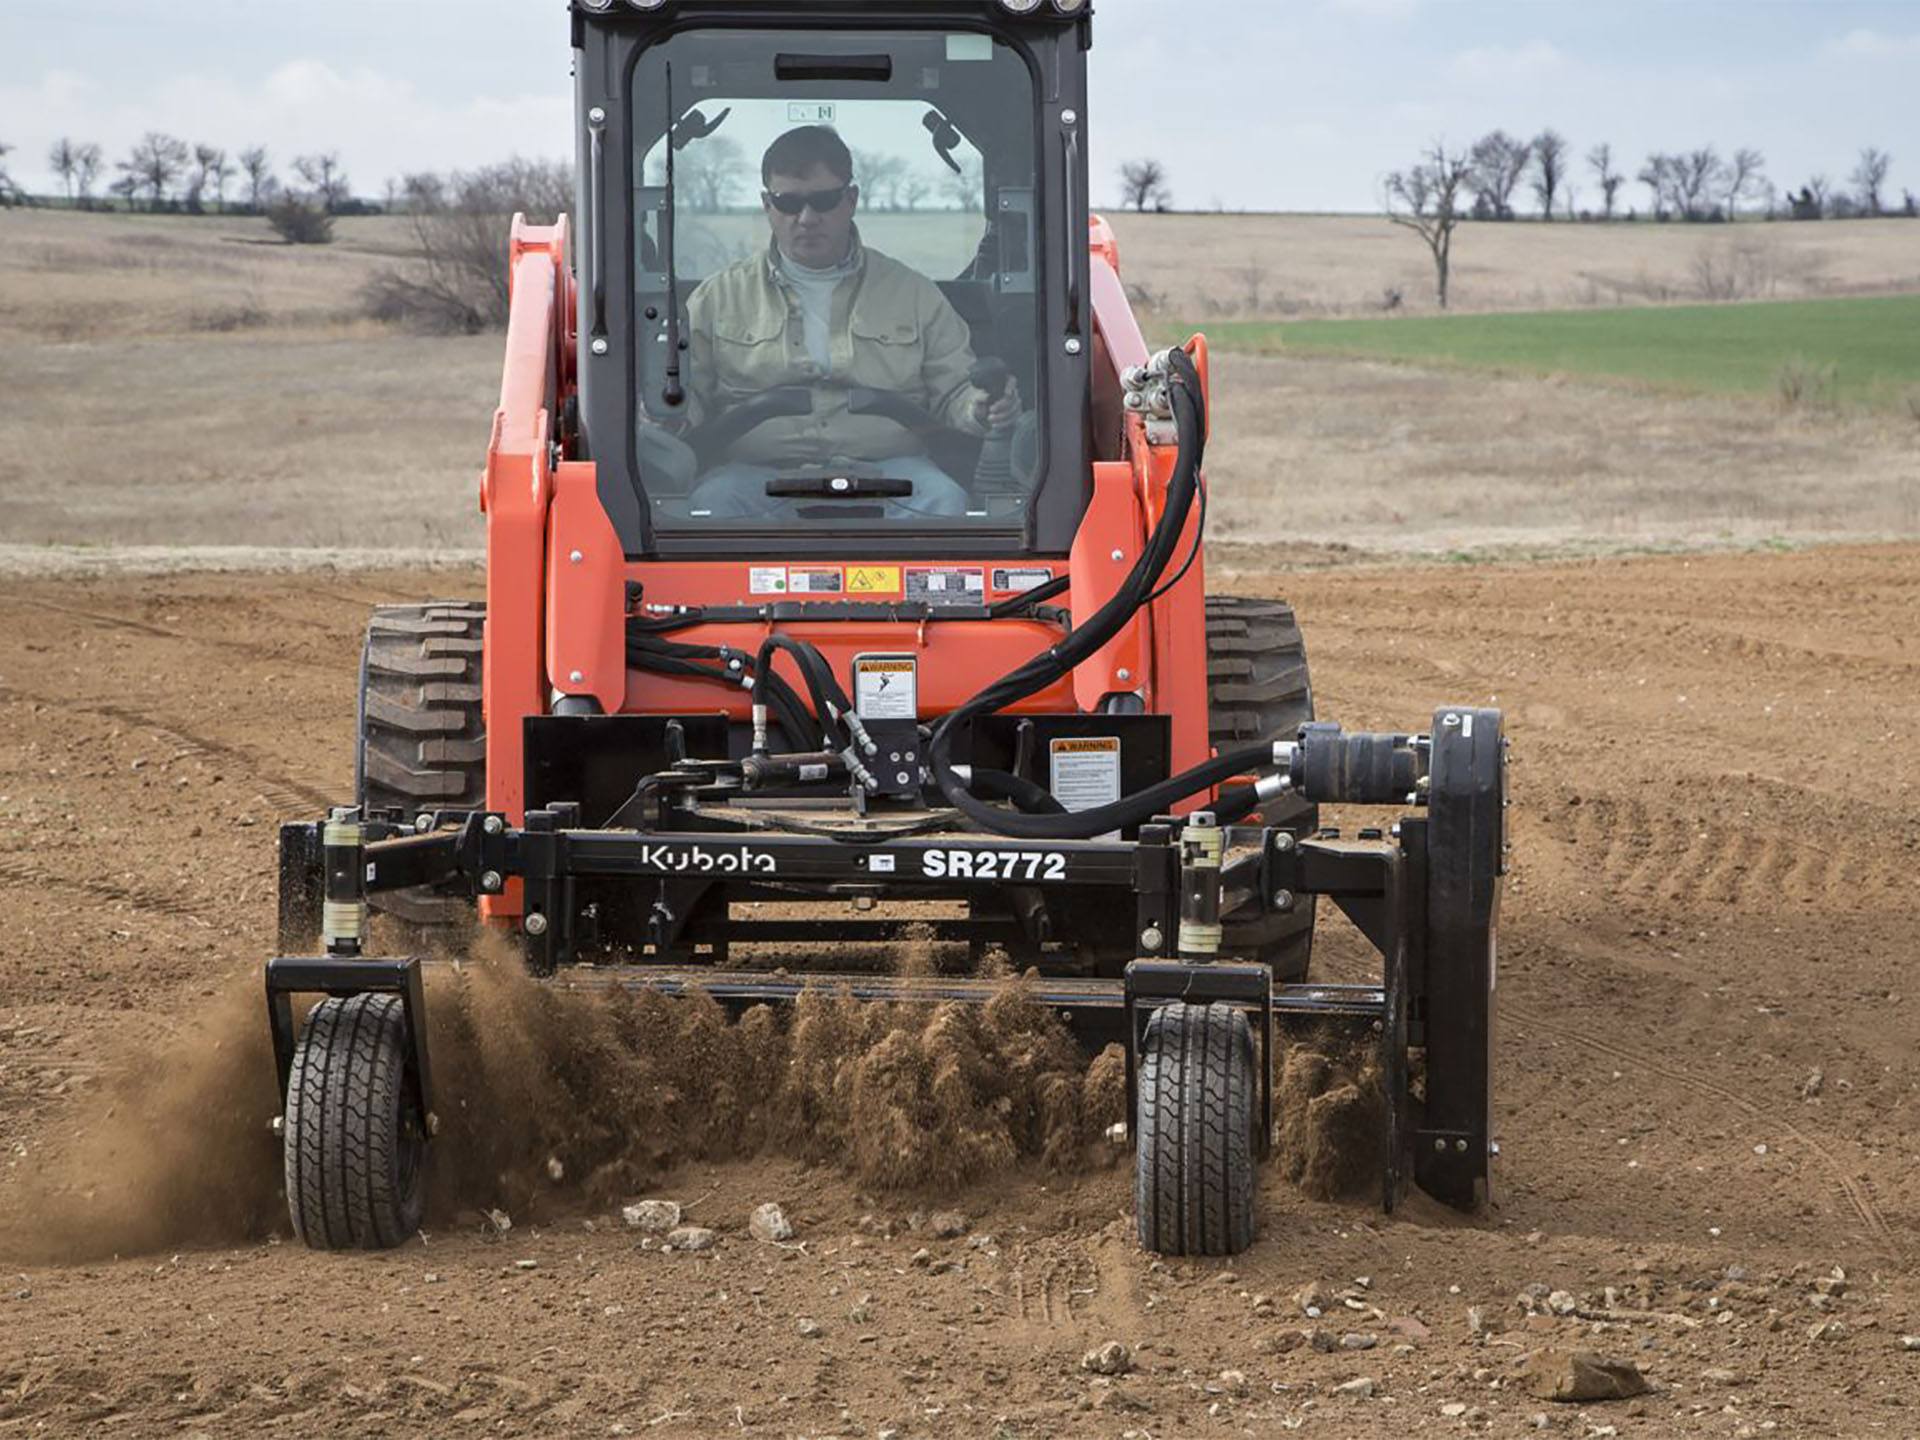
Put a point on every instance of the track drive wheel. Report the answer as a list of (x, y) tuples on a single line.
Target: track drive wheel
[(423, 738), (1258, 689), (355, 1141), (1195, 1143)]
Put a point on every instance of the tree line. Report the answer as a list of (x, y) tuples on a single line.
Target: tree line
[(1447, 186)]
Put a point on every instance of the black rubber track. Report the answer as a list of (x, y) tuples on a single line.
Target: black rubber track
[(422, 739), (353, 1143), (1258, 688), (1194, 1161)]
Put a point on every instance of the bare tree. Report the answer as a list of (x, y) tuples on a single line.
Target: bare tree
[(1696, 177), (87, 162), (10, 193), (881, 176), (1869, 175), (1426, 200), (213, 170), (1549, 168), (915, 186), (710, 173), (1144, 183), (456, 281), (1655, 176), (1600, 161), (258, 170), (1494, 167), (1745, 175), (153, 165), (329, 181), (63, 158)]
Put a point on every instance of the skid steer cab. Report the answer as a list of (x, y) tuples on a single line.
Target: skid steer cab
[(845, 551)]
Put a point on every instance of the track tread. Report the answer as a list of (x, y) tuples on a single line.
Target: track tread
[(1259, 688), (422, 740)]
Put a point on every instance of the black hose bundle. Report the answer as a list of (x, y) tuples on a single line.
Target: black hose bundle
[(1135, 593)]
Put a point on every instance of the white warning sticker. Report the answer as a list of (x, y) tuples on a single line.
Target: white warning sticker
[(886, 687), (1018, 578), (1083, 772), (767, 579), (815, 579), (946, 584)]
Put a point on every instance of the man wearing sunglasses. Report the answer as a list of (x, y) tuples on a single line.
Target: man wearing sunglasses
[(819, 309)]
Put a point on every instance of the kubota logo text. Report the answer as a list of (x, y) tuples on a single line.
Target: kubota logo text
[(698, 860)]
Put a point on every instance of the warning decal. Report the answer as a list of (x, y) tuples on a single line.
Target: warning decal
[(873, 579), (1084, 772), (885, 687), (767, 579), (1019, 578), (814, 579), (946, 584)]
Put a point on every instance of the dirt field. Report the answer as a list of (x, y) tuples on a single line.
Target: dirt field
[(1706, 1074)]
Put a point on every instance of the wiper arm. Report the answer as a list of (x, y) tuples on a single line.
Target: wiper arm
[(673, 392)]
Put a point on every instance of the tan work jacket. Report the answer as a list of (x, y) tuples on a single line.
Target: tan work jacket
[(891, 329)]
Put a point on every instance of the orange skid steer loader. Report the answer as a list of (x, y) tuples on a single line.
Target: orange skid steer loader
[(844, 548)]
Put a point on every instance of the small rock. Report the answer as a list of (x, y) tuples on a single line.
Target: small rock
[(498, 1221), (1313, 1300), (1234, 1382), (1109, 1359), (1476, 1320), (1571, 1375), (526, 1264), (1561, 1302), (1358, 1389), (1538, 1420), (1454, 1409), (430, 1278), (922, 1257), (556, 1172), (768, 1223), (1827, 1330), (656, 1217), (980, 1242), (1811, 1087), (1833, 1285), (1263, 1303), (807, 1329), (690, 1237), (946, 1224), (1324, 1341), (1358, 1340), (1720, 1377), (1910, 1342)]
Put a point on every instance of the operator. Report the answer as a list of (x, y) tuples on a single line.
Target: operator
[(820, 309)]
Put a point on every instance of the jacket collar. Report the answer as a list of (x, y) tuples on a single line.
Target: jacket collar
[(856, 258)]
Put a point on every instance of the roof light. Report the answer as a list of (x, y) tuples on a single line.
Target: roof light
[(1021, 7), (646, 4), (597, 4), (1069, 7)]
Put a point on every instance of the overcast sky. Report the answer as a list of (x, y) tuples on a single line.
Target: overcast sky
[(1251, 104)]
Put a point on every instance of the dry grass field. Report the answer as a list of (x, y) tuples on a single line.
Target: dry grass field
[(174, 382), (1196, 266)]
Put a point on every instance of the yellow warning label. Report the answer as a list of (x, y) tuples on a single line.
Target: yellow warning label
[(1091, 745), (873, 579)]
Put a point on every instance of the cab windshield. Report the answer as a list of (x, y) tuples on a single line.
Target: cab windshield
[(846, 221)]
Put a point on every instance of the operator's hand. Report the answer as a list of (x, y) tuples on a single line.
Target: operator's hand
[(992, 413)]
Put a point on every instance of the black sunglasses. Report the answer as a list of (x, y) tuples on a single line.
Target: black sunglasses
[(821, 201)]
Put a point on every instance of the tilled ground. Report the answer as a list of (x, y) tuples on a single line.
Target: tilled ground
[(1706, 1074)]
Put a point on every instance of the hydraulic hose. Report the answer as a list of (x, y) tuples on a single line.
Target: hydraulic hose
[(1135, 592)]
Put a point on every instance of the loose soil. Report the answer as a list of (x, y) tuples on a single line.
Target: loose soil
[(1706, 1075)]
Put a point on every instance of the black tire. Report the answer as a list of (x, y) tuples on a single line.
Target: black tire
[(1194, 1163), (1258, 688), (355, 1141), (422, 742)]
